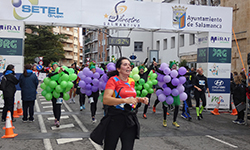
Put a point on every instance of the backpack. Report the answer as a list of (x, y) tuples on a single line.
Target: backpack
[(3, 83)]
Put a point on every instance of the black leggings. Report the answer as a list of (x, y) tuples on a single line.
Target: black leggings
[(200, 95), (81, 99), (117, 129), (8, 105), (93, 106), (165, 110), (56, 109), (146, 106)]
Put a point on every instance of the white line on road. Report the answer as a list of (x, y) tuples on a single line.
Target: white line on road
[(46, 102), (67, 140), (52, 111), (221, 141), (84, 129), (47, 106), (63, 126), (47, 144), (62, 117)]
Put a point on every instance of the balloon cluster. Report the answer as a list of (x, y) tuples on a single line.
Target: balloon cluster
[(92, 82), (171, 84), (142, 88), (59, 83)]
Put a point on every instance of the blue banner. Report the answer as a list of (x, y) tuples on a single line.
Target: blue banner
[(218, 85), (219, 55)]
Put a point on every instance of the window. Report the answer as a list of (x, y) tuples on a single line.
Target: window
[(172, 42), (191, 39), (181, 40), (165, 44), (138, 46), (158, 45)]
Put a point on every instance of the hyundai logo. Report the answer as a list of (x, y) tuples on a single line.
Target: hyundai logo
[(218, 82)]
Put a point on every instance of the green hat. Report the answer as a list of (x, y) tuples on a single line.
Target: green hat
[(131, 63), (141, 67), (91, 67), (171, 63), (55, 63)]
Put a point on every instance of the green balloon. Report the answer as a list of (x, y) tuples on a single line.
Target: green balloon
[(46, 80), (135, 70), (138, 93), (71, 71), (139, 87), (153, 76), (69, 84), (43, 86), (150, 73), (136, 77), (49, 89), (52, 84), (150, 83), (144, 92), (44, 92), (59, 89), (65, 67), (65, 77), (150, 91), (154, 82), (63, 84), (48, 96), (60, 80), (142, 81), (55, 77), (56, 95), (72, 77), (146, 86), (65, 96), (57, 69), (67, 89)]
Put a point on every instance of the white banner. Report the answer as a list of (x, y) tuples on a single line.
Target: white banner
[(12, 29), (17, 61), (220, 40), (219, 70), (119, 13), (215, 98)]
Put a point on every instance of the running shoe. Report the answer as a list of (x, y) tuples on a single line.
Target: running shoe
[(198, 118), (57, 124), (235, 121), (183, 116), (144, 116), (25, 121), (164, 123), (175, 124), (154, 109), (81, 108), (94, 120), (241, 122), (167, 113), (201, 116)]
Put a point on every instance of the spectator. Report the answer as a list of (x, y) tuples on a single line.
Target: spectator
[(28, 82)]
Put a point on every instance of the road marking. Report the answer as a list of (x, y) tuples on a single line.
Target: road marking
[(62, 117), (46, 142), (67, 140), (43, 100), (47, 106), (52, 111), (84, 129), (63, 126), (46, 103), (221, 141)]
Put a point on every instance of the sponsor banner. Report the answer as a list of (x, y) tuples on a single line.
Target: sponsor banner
[(17, 61), (202, 40), (42, 12), (12, 29), (223, 40), (215, 98), (219, 85), (202, 55), (204, 67), (11, 46), (219, 55), (219, 70)]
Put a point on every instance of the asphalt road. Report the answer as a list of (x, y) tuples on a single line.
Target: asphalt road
[(211, 133)]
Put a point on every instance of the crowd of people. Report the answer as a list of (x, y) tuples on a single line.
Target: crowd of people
[(122, 106)]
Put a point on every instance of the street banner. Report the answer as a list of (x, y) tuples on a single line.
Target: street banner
[(214, 98)]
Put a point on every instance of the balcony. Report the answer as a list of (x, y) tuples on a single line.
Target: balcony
[(68, 41), (86, 51), (80, 60), (69, 57), (66, 32), (87, 40), (94, 50), (81, 54), (75, 58), (68, 49), (75, 42), (75, 50)]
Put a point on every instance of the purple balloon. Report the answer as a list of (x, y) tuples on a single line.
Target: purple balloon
[(95, 82), (161, 97), (100, 85), (182, 71), (163, 66), (88, 87), (164, 86), (158, 92), (85, 70), (169, 100), (103, 86), (99, 70), (111, 68), (82, 84), (94, 88), (83, 90), (167, 71), (105, 78), (80, 74), (167, 91), (88, 80), (90, 74), (96, 75), (166, 78), (182, 80), (160, 84), (111, 64), (180, 88), (175, 92), (160, 78), (88, 92), (175, 81), (183, 96), (173, 73)]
